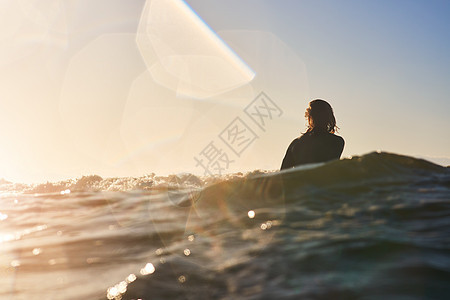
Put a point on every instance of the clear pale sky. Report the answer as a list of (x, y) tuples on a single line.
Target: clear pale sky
[(79, 97)]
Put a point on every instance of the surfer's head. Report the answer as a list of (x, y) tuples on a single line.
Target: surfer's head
[(320, 117)]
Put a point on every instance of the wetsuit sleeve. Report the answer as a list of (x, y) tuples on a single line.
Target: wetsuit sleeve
[(288, 160)]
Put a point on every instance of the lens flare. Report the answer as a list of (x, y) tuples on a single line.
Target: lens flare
[(184, 54)]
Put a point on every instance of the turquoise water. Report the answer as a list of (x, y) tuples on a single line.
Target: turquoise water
[(370, 227)]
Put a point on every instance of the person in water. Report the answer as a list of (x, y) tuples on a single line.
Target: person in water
[(318, 143)]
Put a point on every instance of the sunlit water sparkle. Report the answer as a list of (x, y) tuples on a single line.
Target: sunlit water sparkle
[(369, 227)]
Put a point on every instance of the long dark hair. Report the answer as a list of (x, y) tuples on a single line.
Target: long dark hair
[(320, 117)]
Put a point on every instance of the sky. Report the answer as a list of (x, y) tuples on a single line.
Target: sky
[(128, 88)]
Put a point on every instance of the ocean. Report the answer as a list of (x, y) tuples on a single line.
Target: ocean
[(375, 226)]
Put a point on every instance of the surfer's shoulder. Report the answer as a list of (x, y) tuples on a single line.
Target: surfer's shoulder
[(295, 142), (338, 140)]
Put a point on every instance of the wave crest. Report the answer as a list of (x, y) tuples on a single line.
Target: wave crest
[(375, 166)]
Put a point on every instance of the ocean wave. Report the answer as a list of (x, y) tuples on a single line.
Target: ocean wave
[(367, 227), (369, 168)]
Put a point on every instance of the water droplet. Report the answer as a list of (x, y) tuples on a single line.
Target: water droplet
[(3, 216), (15, 263), (112, 292), (65, 192), (131, 278), (148, 269), (122, 287)]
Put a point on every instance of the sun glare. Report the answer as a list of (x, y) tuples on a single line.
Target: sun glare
[(184, 54)]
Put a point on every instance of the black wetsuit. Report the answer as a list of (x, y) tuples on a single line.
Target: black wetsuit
[(313, 148)]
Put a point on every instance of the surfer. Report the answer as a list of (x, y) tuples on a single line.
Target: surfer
[(318, 143)]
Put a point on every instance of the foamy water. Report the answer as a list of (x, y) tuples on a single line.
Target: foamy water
[(370, 227)]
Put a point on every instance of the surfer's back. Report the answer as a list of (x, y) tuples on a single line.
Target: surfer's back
[(313, 148), (318, 143)]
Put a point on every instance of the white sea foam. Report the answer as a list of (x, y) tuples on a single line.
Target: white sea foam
[(95, 183)]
